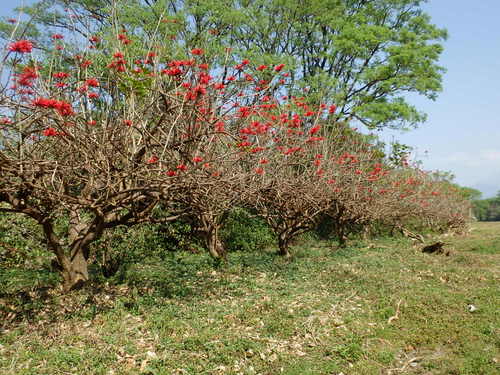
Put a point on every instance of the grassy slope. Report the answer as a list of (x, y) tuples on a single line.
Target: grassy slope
[(379, 307)]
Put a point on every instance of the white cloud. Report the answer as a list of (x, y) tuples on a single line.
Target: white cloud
[(477, 169)]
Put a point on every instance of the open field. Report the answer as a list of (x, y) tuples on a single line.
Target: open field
[(376, 307)]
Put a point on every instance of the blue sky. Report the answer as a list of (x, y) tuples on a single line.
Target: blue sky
[(462, 133)]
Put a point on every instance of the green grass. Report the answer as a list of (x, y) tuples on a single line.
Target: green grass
[(377, 307)]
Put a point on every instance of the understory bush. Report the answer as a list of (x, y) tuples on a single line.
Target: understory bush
[(243, 231)]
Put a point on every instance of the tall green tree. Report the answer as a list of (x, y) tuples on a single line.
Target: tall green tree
[(362, 55)]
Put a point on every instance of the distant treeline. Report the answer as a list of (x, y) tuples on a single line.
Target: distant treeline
[(487, 209)]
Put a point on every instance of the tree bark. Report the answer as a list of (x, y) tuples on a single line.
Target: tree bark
[(283, 244), (214, 245), (75, 271)]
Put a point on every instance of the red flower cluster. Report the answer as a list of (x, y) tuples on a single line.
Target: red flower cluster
[(62, 107), (27, 76), (197, 51), (153, 159), (50, 132), (60, 75), (92, 82), (314, 129), (175, 71), (279, 67), (123, 38), (21, 46)]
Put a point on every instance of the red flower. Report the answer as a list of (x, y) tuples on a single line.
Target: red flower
[(245, 62), (127, 122), (93, 95), (182, 167), (203, 66), (315, 139), (60, 75), (118, 55), (21, 46), (57, 36), (123, 38), (197, 51), (172, 71), (314, 129), (153, 159), (94, 39), (197, 159), (244, 144), (50, 132), (291, 150), (257, 149), (279, 67), (62, 107), (92, 82), (263, 161), (259, 170), (27, 76), (219, 127), (91, 122), (332, 109), (171, 173), (262, 67), (85, 64)]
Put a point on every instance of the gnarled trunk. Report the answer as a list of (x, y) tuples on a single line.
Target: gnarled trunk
[(214, 244), (74, 271), (283, 245)]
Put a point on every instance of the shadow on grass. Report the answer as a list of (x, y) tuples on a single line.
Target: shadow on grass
[(34, 295)]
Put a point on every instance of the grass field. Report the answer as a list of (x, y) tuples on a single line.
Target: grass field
[(376, 307)]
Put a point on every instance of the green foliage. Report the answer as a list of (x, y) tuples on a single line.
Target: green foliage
[(123, 247), (243, 232), (21, 242), (487, 209)]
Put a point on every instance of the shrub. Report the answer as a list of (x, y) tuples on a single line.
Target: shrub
[(244, 232)]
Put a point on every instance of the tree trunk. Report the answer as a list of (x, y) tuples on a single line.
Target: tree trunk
[(74, 272), (341, 236), (283, 244), (214, 245)]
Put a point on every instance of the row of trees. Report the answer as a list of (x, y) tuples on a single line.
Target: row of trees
[(123, 128), (487, 209)]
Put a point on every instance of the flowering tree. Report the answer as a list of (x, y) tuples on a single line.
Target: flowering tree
[(99, 141)]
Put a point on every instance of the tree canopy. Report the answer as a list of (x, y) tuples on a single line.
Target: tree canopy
[(364, 55)]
